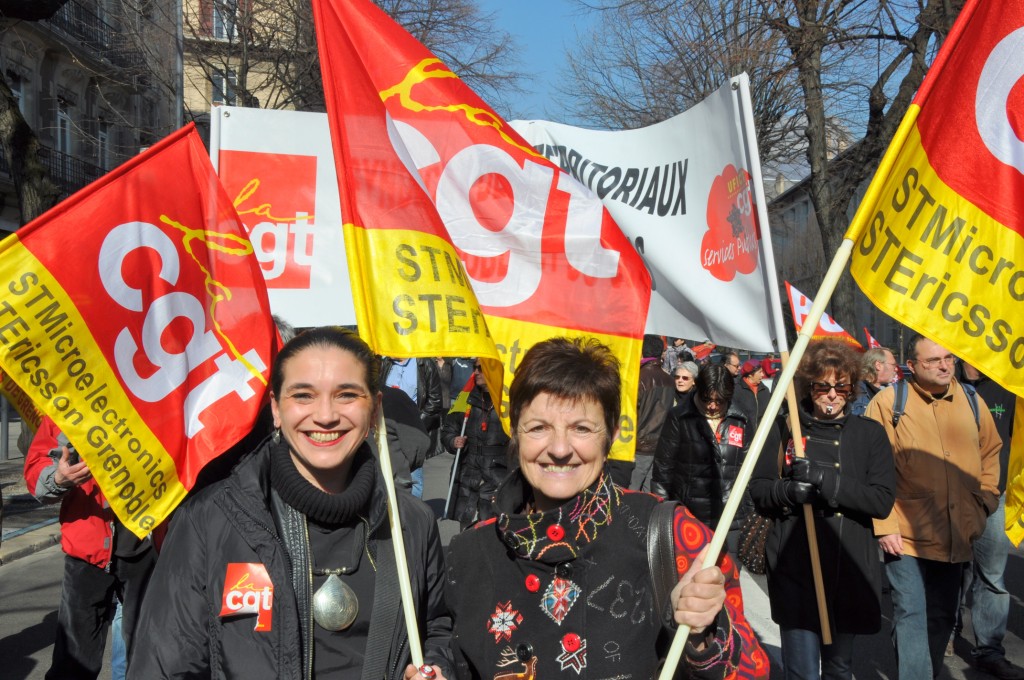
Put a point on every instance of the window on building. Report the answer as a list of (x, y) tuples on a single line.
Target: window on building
[(223, 87), (103, 146), (62, 141), (17, 88), (225, 18)]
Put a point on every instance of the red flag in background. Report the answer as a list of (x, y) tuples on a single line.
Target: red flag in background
[(135, 316), (800, 304), (872, 343), (462, 241)]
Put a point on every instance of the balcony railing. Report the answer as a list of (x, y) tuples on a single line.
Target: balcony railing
[(80, 23), (69, 173)]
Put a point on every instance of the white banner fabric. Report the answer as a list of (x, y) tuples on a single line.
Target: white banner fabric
[(681, 191), (278, 168)]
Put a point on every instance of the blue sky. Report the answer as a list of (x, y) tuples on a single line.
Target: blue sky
[(542, 29)]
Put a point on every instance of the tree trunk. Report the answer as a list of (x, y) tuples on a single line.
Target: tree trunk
[(35, 190)]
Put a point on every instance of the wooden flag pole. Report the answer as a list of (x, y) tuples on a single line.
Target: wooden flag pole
[(812, 533), (828, 286), (401, 561)]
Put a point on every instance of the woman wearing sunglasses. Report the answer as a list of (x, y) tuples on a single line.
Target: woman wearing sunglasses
[(684, 375), (848, 479)]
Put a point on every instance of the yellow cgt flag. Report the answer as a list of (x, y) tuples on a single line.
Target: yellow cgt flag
[(461, 239), (939, 237)]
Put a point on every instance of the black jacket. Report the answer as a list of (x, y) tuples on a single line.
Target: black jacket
[(484, 461), (859, 450), (753, 404), (691, 467), (568, 593), (429, 397), (181, 633)]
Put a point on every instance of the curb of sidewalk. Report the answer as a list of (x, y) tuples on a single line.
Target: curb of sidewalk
[(39, 537)]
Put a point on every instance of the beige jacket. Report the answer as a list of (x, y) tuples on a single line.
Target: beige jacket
[(947, 472)]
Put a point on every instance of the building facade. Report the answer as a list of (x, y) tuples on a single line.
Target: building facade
[(95, 83)]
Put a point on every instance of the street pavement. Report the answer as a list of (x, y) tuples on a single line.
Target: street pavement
[(31, 569)]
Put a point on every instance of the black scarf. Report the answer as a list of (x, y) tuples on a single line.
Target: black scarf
[(327, 509)]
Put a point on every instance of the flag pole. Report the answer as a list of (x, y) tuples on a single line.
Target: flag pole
[(824, 295), (401, 561), (455, 466), (812, 532), (742, 84)]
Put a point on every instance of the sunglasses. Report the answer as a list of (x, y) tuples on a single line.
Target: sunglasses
[(842, 389), (478, 367)]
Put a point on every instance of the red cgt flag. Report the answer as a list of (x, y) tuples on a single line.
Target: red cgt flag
[(135, 316), (827, 328), (462, 241)]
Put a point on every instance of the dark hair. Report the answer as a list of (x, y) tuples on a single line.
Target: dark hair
[(727, 355), (573, 369), (827, 356), (714, 379), (326, 337), (912, 344), (653, 346)]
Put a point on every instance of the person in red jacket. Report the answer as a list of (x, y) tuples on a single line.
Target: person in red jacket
[(103, 562)]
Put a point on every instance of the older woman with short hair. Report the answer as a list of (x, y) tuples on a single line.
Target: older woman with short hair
[(684, 376), (565, 565)]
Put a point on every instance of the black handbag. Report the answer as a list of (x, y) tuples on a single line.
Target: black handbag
[(752, 550)]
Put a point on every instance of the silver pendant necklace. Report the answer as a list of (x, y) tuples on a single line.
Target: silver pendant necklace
[(335, 605)]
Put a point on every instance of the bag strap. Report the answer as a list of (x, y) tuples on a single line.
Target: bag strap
[(661, 555)]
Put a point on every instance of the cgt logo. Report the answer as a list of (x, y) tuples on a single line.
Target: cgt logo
[(248, 590), (729, 246), (173, 340), (277, 204)]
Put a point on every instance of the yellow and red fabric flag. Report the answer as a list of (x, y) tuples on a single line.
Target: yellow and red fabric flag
[(463, 241), (800, 305), (26, 408), (135, 316), (460, 404), (939, 236)]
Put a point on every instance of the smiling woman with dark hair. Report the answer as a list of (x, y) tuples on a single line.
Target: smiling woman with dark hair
[(848, 479), (286, 569)]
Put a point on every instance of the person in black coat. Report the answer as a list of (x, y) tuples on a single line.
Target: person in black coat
[(752, 394), (703, 444), (848, 478), (483, 461)]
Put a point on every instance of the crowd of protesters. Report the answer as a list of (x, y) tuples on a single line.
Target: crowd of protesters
[(282, 566)]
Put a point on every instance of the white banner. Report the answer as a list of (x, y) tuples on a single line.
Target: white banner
[(278, 168), (682, 191)]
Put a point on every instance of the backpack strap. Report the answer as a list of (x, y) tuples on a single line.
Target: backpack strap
[(661, 556), (899, 402), (972, 399)]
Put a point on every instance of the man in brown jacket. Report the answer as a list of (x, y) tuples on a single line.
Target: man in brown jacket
[(947, 468), (655, 393)]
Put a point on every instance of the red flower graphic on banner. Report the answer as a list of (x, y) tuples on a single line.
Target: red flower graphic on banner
[(731, 242)]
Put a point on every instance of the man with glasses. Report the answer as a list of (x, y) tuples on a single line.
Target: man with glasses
[(878, 370), (732, 363), (947, 472)]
